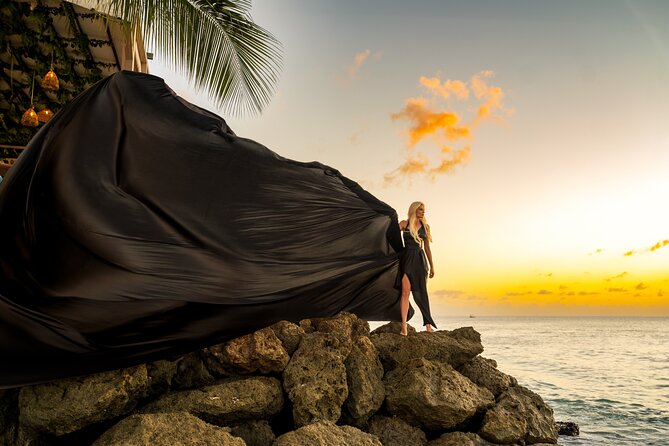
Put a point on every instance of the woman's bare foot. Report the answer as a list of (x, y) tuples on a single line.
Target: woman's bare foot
[(404, 330), (429, 329)]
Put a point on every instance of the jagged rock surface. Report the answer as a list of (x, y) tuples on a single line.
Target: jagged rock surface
[(289, 334), (315, 378), (400, 390), (455, 347), (364, 376), (166, 429), (68, 405), (519, 415), (483, 372), (460, 439), (433, 395), (393, 431), (325, 433), (261, 352), (229, 402)]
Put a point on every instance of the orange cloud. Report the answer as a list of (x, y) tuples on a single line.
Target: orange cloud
[(424, 121), (432, 121), (445, 89), (655, 247), (619, 276), (658, 245)]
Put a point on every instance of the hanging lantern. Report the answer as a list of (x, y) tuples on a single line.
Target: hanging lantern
[(50, 81), (29, 118), (44, 115)]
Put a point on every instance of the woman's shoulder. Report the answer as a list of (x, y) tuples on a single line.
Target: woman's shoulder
[(403, 224)]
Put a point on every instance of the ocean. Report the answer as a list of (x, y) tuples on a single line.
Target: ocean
[(610, 375)]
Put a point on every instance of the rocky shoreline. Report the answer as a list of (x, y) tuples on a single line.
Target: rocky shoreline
[(326, 381)]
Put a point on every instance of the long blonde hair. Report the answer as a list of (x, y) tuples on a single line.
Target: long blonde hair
[(413, 222)]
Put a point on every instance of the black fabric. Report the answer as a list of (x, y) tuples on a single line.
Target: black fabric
[(414, 265), (137, 226)]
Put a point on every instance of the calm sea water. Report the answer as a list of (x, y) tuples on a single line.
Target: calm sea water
[(610, 375)]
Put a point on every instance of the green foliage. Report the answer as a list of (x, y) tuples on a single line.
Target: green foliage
[(215, 42)]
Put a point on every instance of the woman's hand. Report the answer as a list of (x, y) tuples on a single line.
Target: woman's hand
[(431, 273)]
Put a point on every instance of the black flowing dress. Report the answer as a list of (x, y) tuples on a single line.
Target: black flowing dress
[(414, 265)]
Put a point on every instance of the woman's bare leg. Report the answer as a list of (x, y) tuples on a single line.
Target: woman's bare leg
[(404, 303)]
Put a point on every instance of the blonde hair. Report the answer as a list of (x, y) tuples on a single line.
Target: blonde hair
[(412, 222)]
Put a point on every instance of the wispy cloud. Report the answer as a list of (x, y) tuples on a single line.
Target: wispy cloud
[(359, 60), (596, 251), (641, 286), (655, 247), (619, 276), (433, 120), (616, 290)]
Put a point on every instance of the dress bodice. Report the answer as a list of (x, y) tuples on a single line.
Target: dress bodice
[(409, 242)]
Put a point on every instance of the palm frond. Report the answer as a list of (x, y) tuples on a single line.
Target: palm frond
[(214, 42)]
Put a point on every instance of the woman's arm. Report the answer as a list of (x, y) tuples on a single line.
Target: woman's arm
[(403, 224), (428, 252)]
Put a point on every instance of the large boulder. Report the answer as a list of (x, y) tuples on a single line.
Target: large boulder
[(520, 415), (455, 347), (315, 378), (483, 372), (460, 439), (364, 375), (393, 327), (325, 433), (394, 431), (227, 403), (346, 325), (290, 335), (166, 429), (254, 433), (432, 395), (67, 405), (259, 352)]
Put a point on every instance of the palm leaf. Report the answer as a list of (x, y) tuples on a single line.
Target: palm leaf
[(213, 42)]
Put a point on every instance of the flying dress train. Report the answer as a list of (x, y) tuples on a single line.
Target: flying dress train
[(136, 226)]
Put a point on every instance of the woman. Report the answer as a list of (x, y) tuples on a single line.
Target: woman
[(414, 270)]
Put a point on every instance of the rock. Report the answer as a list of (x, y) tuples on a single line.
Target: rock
[(459, 439), (432, 395), (364, 377), (65, 406), (393, 327), (160, 375), (289, 334), (255, 433), (261, 351), (230, 402), (166, 429), (325, 433), (483, 372), (393, 431), (307, 326), (567, 428), (519, 415), (346, 325), (315, 378), (191, 372), (455, 347)]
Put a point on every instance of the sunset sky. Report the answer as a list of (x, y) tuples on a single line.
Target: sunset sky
[(536, 132)]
